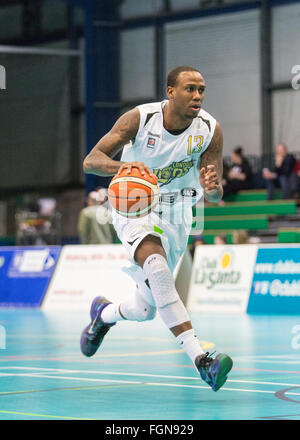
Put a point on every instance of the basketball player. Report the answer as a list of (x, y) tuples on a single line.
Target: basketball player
[(181, 144)]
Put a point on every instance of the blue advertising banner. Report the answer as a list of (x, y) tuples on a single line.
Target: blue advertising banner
[(25, 273), (276, 281)]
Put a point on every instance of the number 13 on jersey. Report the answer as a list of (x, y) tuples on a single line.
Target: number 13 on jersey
[(198, 140)]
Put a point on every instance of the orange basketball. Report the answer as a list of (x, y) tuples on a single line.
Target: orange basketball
[(133, 194)]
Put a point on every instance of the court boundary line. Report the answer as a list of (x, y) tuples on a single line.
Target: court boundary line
[(42, 415), (133, 382), (40, 370)]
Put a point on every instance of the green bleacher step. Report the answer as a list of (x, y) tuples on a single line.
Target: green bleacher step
[(252, 195), (251, 222), (276, 207), (288, 235), (209, 236)]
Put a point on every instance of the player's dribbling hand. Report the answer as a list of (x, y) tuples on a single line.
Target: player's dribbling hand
[(140, 165), (209, 179)]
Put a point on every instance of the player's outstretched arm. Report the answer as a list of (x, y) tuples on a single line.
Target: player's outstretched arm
[(99, 161), (211, 168)]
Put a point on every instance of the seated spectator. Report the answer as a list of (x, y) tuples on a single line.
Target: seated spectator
[(239, 175), (95, 222), (297, 172), (240, 237), (198, 240), (226, 169), (282, 175), (220, 239)]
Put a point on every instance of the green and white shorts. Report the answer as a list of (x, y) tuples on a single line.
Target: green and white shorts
[(131, 232)]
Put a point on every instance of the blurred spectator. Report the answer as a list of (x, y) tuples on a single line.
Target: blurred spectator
[(94, 222), (239, 175), (297, 171), (226, 169), (254, 240), (282, 175), (198, 240), (220, 239), (240, 237)]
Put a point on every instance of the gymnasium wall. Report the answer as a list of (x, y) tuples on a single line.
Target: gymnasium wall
[(53, 15), (230, 66), (10, 21), (36, 141), (35, 121), (138, 66), (286, 104), (226, 49), (35, 108)]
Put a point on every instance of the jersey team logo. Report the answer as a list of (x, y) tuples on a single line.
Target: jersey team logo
[(173, 171)]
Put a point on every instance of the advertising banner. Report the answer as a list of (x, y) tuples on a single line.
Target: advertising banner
[(86, 271), (25, 273), (276, 281), (221, 278)]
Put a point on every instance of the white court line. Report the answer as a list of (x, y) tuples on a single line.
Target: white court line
[(271, 356), (86, 379), (267, 361), (141, 383), (162, 376)]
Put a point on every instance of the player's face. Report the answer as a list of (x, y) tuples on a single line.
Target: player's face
[(188, 94)]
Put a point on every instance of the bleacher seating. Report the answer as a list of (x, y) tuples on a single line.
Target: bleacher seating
[(251, 211), (288, 235)]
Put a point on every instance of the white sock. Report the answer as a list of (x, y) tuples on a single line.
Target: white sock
[(111, 313), (190, 344)]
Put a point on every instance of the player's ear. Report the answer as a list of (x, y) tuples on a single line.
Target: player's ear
[(170, 92)]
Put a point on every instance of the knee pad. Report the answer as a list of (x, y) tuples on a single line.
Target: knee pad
[(174, 314), (161, 280), (162, 284), (145, 292), (147, 311)]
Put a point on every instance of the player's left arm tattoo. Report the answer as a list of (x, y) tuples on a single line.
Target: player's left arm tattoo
[(211, 165)]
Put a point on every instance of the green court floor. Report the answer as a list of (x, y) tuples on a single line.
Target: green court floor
[(140, 373)]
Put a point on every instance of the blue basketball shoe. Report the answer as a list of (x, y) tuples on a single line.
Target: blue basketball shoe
[(93, 335), (214, 371)]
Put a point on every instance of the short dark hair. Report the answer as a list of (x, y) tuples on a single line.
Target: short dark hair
[(173, 75), (199, 238), (239, 151)]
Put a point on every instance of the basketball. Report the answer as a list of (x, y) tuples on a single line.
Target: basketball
[(133, 194)]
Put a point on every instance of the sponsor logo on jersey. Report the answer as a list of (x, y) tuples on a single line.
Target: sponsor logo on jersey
[(173, 171), (151, 142), (168, 198), (188, 192), (133, 241), (153, 134)]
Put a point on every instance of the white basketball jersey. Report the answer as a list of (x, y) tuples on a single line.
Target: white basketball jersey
[(174, 159)]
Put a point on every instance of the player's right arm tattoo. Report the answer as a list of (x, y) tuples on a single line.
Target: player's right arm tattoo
[(99, 161)]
